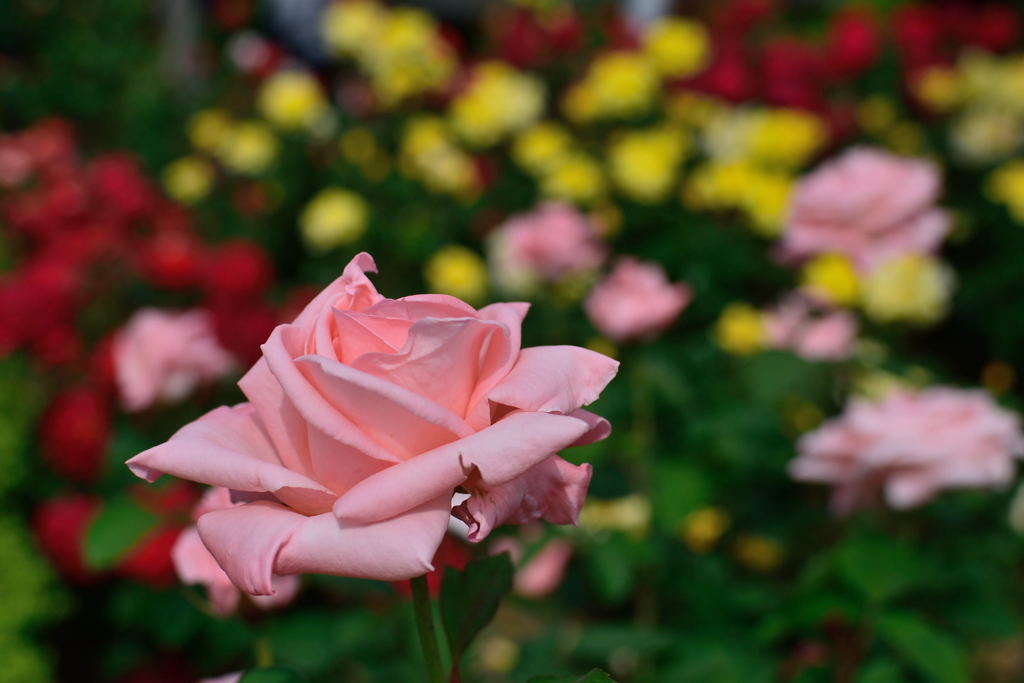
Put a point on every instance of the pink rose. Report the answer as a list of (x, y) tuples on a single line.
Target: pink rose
[(813, 333), (910, 446), (366, 414), (869, 205), (542, 572), (635, 300), (551, 242), (162, 356), (196, 566)]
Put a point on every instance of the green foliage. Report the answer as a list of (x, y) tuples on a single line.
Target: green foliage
[(120, 524), (470, 599)]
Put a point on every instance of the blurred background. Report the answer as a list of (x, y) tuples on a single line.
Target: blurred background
[(798, 225)]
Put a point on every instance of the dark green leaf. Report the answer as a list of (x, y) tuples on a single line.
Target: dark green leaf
[(470, 599), (273, 674), (120, 524), (932, 653), (592, 676), (877, 566)]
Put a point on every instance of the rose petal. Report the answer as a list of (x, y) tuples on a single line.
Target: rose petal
[(499, 453), (443, 360), (353, 287), (555, 379), (226, 447), (553, 490), (401, 421), (252, 542)]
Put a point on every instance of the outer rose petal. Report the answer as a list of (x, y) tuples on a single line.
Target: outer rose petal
[(553, 490), (499, 453), (252, 542), (195, 565), (555, 379), (598, 428), (226, 447)]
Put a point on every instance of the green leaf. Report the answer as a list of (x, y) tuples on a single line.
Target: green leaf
[(120, 524), (881, 671), (272, 674), (878, 567), (932, 653), (470, 599)]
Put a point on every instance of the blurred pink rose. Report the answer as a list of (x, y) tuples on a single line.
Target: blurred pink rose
[(911, 445), (162, 356), (365, 415), (226, 678), (543, 571), (635, 300), (868, 204), (551, 242), (195, 565), (810, 332)]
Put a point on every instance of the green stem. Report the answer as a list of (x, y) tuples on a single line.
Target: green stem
[(425, 628)]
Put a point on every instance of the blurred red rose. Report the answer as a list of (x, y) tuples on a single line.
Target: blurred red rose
[(237, 270), (150, 561), (853, 43), (59, 525), (74, 432), (119, 183), (242, 327), (171, 259)]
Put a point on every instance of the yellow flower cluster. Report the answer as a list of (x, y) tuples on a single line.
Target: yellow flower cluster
[(775, 138), (676, 46), (541, 146), (760, 194), (618, 84), (334, 217), (547, 151), (912, 288), (630, 514), (293, 100), (740, 329), (188, 179), (1005, 186), (643, 163), (429, 154), (359, 147), (400, 50), (986, 93), (832, 278), (758, 553), (458, 271), (701, 529), (498, 101)]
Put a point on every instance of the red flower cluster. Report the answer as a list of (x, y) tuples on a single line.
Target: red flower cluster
[(82, 235)]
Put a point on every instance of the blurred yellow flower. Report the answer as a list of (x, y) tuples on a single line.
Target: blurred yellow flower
[(188, 179), (758, 553), (292, 100), (831, 277), (540, 146), (983, 135), (249, 147), (677, 47), (630, 514), (876, 113), (576, 178), (617, 84), (428, 154), (208, 128), (458, 271), (786, 137), (766, 202), (694, 109), (358, 146), (498, 101), (740, 329), (350, 27), (1005, 185), (407, 56), (905, 138), (701, 529), (497, 654), (643, 163), (912, 288), (938, 88), (334, 217), (875, 384)]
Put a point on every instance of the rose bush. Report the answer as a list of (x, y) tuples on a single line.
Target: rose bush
[(365, 414)]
